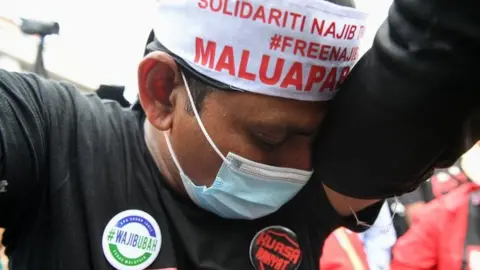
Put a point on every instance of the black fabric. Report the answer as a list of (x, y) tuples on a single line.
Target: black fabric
[(72, 162), (114, 93), (401, 111)]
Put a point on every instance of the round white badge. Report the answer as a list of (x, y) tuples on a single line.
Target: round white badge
[(131, 240)]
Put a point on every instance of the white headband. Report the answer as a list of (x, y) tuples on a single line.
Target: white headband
[(298, 49)]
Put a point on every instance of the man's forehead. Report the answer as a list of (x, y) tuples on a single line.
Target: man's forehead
[(280, 126), (272, 113)]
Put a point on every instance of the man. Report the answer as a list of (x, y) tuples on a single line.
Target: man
[(197, 177)]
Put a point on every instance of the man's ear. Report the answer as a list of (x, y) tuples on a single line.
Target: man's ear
[(158, 75)]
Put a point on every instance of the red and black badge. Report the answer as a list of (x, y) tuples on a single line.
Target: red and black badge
[(275, 248)]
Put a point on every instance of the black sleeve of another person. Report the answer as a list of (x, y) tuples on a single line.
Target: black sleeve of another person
[(25, 123), (404, 105)]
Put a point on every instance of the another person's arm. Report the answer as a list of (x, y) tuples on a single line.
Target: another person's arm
[(390, 112)]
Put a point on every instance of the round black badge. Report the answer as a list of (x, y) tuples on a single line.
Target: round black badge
[(275, 248)]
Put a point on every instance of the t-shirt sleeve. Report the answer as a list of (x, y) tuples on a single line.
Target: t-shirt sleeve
[(28, 106)]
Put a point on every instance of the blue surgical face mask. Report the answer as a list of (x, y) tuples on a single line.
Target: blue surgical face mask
[(242, 189)]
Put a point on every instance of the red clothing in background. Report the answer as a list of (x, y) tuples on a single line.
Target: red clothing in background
[(343, 250), (437, 237)]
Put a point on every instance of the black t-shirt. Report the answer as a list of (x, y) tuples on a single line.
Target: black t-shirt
[(72, 162)]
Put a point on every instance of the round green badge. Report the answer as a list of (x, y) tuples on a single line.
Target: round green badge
[(131, 240)]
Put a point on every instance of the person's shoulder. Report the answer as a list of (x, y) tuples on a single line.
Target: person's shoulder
[(107, 122), (30, 83), (65, 110), (14, 79), (46, 99), (123, 122)]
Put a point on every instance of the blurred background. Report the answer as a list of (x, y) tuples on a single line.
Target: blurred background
[(100, 41)]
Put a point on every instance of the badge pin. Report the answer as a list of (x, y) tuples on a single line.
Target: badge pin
[(131, 240), (275, 248)]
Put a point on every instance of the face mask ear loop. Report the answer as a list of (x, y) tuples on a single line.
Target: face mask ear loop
[(200, 123), (172, 153), (359, 222), (382, 228)]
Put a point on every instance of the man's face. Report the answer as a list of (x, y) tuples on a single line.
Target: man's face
[(270, 130)]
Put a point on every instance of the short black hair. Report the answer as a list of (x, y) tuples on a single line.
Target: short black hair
[(201, 90)]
